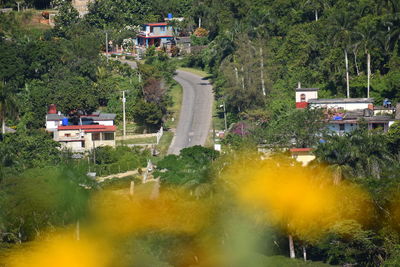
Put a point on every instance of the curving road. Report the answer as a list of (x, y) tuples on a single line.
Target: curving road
[(195, 117)]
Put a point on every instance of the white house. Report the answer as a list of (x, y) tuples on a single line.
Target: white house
[(81, 133), (345, 114), (308, 97)]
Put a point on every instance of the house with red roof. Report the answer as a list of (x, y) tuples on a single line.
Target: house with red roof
[(83, 132), (155, 34)]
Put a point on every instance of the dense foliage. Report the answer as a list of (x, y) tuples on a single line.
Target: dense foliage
[(257, 51)]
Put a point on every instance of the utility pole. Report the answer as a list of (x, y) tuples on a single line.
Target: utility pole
[(123, 112), (107, 46), (226, 124)]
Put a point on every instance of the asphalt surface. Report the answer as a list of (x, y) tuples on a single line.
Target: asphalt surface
[(195, 117), (133, 64)]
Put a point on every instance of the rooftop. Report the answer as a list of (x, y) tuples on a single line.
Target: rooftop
[(88, 128), (306, 89), (97, 116), (341, 100), (54, 117), (157, 24)]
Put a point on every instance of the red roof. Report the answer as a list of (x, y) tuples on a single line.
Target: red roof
[(157, 24), (155, 36), (301, 150), (88, 128), (107, 129)]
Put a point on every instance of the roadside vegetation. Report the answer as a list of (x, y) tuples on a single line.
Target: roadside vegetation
[(202, 207)]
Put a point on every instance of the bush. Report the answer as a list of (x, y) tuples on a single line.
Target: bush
[(120, 159)]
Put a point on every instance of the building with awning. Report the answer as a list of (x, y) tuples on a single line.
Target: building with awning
[(155, 34)]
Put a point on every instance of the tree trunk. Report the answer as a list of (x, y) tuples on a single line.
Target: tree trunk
[(291, 247), (316, 15), (347, 73), (3, 125), (242, 78), (262, 71), (304, 253), (369, 72), (78, 231), (236, 75), (355, 62)]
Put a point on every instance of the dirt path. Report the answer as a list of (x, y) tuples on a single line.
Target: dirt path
[(117, 175)]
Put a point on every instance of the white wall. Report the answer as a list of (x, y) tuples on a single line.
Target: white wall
[(52, 125), (74, 146), (344, 106), (309, 95)]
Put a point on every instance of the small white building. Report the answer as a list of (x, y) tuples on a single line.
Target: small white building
[(308, 97), (345, 114)]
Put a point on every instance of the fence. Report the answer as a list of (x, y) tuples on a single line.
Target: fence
[(114, 168)]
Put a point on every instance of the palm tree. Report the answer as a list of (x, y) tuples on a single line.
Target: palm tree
[(316, 5), (368, 35), (358, 154), (7, 105), (342, 28)]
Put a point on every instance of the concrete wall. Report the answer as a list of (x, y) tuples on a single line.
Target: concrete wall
[(73, 146), (90, 144)]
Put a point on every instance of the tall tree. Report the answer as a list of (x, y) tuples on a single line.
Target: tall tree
[(367, 29), (342, 36)]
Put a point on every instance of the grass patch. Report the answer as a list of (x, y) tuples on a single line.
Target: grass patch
[(176, 95), (136, 141), (199, 72), (120, 183), (165, 142), (30, 20), (259, 260)]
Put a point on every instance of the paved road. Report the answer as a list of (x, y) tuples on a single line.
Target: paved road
[(195, 117), (133, 64)]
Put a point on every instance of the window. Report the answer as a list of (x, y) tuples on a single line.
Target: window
[(95, 136), (151, 29), (303, 98), (108, 136), (67, 135), (341, 127), (162, 29), (379, 126)]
